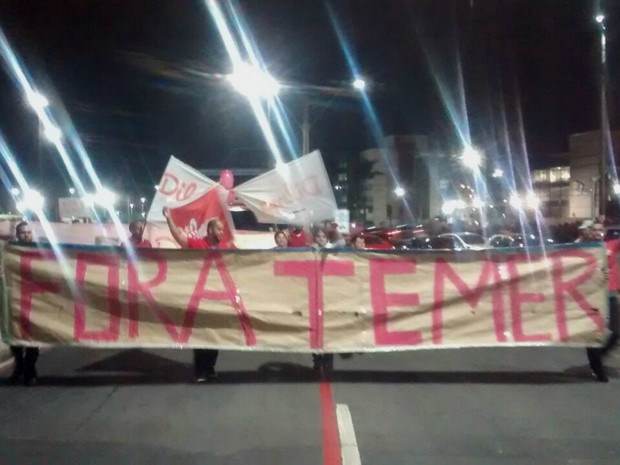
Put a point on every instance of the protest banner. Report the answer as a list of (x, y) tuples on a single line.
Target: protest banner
[(306, 300), (298, 193), (179, 185)]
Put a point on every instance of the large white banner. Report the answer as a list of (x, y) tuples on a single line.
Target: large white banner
[(297, 193), (181, 184)]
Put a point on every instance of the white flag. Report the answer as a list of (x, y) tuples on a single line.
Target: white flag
[(180, 185), (298, 192)]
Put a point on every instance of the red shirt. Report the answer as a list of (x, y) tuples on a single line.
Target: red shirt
[(613, 248), (203, 243), (142, 243), (298, 239)]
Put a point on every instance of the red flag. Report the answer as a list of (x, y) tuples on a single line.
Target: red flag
[(194, 217)]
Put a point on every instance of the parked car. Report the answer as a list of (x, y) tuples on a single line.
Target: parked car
[(517, 240), (458, 241), (404, 236), (375, 242)]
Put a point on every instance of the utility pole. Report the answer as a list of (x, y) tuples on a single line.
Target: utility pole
[(600, 19)]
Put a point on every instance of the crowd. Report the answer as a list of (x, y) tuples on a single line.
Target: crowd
[(328, 238)]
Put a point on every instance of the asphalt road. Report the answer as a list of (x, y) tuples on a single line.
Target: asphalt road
[(474, 406)]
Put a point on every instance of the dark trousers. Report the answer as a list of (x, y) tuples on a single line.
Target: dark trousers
[(595, 354), (204, 361), (323, 360), (25, 360)]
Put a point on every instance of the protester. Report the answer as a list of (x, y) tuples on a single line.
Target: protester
[(320, 240), (322, 363), (280, 239), (204, 359), (136, 228), (595, 232), (358, 242), (585, 232), (25, 357), (298, 238)]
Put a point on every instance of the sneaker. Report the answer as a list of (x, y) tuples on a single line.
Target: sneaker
[(598, 372)]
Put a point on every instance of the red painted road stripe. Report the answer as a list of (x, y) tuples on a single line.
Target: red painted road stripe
[(332, 454)]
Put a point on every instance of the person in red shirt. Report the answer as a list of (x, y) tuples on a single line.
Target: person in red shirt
[(136, 228), (204, 359), (298, 238)]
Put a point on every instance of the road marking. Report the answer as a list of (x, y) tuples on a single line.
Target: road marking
[(348, 442), (331, 440)]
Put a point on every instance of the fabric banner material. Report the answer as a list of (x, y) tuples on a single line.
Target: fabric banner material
[(179, 185), (306, 300), (297, 193), (194, 217)]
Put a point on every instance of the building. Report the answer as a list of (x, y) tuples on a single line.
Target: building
[(585, 161), (552, 188), (402, 162), (570, 189)]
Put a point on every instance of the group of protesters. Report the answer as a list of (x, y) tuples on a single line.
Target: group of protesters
[(331, 238)]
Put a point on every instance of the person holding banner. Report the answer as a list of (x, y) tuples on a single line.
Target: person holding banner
[(204, 359), (322, 363), (297, 238), (280, 239), (136, 228), (594, 232), (25, 357)]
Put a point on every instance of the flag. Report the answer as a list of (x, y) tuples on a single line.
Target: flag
[(193, 217), (179, 185), (298, 192)]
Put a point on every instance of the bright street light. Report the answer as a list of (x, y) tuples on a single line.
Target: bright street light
[(515, 201), (33, 201), (359, 84), (105, 197), (37, 101), (497, 173), (399, 191), (600, 18), (15, 191), (53, 134), (72, 190), (532, 201), (617, 189), (449, 206), (142, 199), (471, 158), (253, 82)]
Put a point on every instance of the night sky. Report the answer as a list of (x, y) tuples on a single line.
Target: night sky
[(128, 74)]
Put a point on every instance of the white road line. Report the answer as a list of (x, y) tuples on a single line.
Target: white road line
[(348, 443)]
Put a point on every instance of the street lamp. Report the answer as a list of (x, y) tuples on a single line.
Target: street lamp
[(253, 82), (15, 191), (471, 158), (37, 101), (53, 134), (72, 191), (359, 84), (399, 192), (600, 20), (497, 173)]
